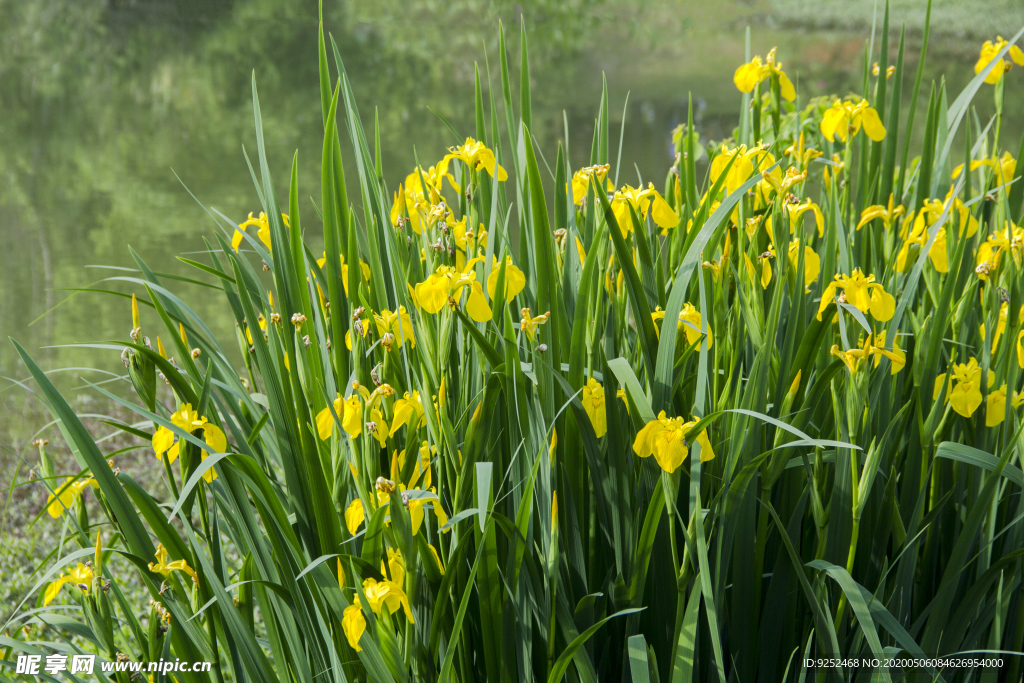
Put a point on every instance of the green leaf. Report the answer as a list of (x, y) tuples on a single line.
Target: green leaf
[(638, 664), (88, 456), (978, 458), (562, 663)]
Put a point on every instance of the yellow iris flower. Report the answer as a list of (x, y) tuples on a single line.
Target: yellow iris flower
[(717, 268), (812, 265), (1004, 314), (861, 292), (932, 210), (464, 238), (413, 204), (844, 119), (897, 355), (364, 269), (362, 329), (918, 238), (766, 268), (581, 181), (851, 358), (800, 153), (621, 394), (1002, 167), (189, 420), (416, 511), (776, 181), (1010, 238), (66, 495), (263, 229), (988, 51), (446, 283), (475, 155), (888, 214), (412, 199), (81, 577), (349, 410), (529, 324), (797, 211), (876, 348), (515, 280), (395, 567), (414, 503), (770, 180), (643, 200), (378, 426), (434, 177), (408, 409), (965, 394), (995, 406), (432, 294), (689, 322), (162, 566), (593, 404), (756, 160), (398, 324), (666, 439), (325, 421), (389, 594), (422, 468), (749, 75), (741, 169)]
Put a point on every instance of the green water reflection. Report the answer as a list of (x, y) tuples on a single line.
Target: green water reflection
[(103, 102)]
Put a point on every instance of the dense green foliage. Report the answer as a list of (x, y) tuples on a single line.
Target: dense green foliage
[(816, 486)]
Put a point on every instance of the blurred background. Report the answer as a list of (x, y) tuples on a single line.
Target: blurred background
[(102, 102)]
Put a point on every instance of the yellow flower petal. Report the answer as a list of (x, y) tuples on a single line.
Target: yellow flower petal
[(883, 305), (354, 624), (834, 123), (515, 280), (786, 88), (477, 306), (162, 439), (352, 422), (872, 124), (995, 407), (354, 516), (749, 75), (54, 589), (214, 437), (663, 215), (593, 403), (324, 424)]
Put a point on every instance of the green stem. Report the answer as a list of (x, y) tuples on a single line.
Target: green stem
[(762, 533), (849, 569)]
